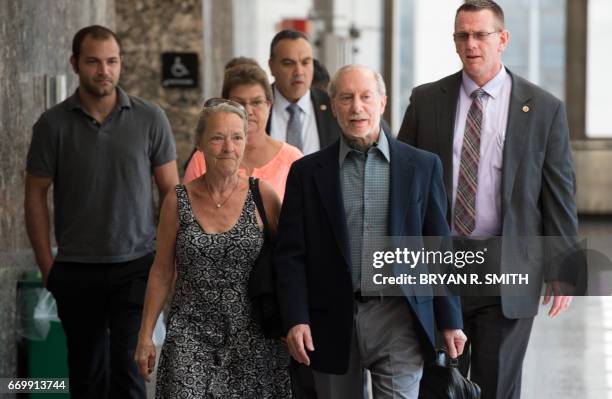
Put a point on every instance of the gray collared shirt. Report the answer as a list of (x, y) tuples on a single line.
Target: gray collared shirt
[(102, 186), (365, 178)]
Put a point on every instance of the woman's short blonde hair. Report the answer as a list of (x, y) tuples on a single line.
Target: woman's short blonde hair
[(207, 112)]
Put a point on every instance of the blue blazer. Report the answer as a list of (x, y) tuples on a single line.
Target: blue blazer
[(312, 257)]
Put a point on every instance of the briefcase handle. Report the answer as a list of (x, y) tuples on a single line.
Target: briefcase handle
[(443, 360)]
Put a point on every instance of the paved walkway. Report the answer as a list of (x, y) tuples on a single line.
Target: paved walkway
[(570, 356)]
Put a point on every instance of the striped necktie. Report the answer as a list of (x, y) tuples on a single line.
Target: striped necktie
[(294, 127), (464, 217)]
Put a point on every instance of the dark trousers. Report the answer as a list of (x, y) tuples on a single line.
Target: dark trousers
[(497, 347), (302, 381), (100, 307), (303, 385)]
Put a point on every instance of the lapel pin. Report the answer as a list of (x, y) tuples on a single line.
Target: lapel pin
[(323, 107), (525, 108)]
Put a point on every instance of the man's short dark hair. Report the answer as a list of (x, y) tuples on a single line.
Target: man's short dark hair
[(479, 5), (286, 34), (97, 32)]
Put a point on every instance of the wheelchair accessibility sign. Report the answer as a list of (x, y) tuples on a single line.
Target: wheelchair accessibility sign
[(180, 70)]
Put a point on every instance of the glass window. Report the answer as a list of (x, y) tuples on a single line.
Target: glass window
[(599, 59), (536, 50), (537, 42)]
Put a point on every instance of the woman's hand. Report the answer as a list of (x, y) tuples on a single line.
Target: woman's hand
[(145, 357)]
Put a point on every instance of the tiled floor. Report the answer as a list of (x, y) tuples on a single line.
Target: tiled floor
[(567, 357), (570, 356)]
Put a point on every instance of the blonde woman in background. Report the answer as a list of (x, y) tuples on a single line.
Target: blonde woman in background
[(264, 157)]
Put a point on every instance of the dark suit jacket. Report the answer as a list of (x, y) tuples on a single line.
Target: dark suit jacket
[(327, 126), (538, 181), (312, 253)]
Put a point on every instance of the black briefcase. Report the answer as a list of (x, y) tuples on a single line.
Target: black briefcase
[(443, 380)]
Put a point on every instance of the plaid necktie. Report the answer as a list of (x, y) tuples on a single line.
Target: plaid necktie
[(465, 202), (294, 127)]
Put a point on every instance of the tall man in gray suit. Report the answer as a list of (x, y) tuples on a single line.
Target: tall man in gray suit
[(504, 145)]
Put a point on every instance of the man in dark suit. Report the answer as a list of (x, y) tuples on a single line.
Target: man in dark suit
[(364, 186), (301, 115), (504, 145)]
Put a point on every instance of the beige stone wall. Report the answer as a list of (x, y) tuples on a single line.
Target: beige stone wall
[(147, 29)]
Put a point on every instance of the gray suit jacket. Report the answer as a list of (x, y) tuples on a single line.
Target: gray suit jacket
[(538, 181)]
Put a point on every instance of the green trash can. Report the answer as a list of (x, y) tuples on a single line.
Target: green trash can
[(42, 343)]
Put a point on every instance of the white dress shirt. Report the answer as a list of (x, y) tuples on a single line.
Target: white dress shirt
[(280, 119)]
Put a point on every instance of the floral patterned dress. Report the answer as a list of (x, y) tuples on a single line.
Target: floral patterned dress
[(213, 347)]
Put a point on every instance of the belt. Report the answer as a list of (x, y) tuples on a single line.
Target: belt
[(363, 298)]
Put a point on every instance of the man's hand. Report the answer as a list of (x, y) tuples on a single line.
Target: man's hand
[(298, 340), (37, 221), (560, 303), (455, 341)]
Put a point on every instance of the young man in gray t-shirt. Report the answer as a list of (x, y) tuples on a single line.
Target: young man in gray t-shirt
[(99, 149)]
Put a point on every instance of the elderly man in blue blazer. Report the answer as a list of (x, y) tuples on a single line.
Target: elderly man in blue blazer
[(365, 185)]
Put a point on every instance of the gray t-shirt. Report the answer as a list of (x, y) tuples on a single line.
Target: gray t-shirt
[(102, 176)]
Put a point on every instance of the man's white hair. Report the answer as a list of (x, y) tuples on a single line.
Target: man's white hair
[(380, 83)]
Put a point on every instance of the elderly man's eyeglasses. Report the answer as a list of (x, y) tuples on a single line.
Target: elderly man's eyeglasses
[(480, 36), (215, 101)]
